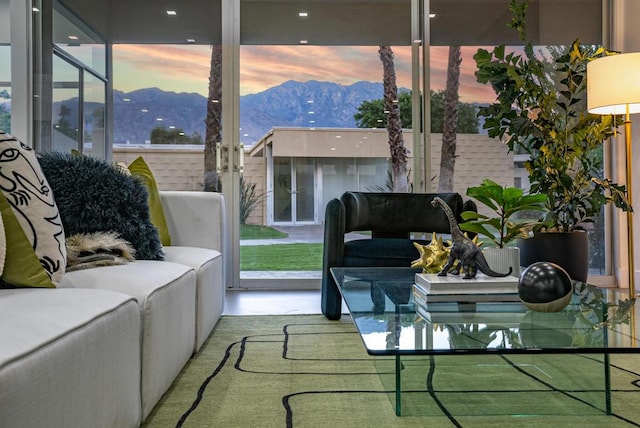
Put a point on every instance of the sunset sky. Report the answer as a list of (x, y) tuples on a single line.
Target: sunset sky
[(186, 68)]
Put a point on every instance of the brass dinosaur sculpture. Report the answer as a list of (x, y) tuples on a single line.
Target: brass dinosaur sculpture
[(463, 250)]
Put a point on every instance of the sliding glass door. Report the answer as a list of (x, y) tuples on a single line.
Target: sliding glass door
[(305, 70)]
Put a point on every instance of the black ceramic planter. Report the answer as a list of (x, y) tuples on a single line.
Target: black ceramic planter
[(570, 250)]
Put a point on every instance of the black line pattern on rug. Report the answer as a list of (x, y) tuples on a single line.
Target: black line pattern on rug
[(287, 398), (568, 394), (432, 392), (204, 385), (242, 344), (245, 339)]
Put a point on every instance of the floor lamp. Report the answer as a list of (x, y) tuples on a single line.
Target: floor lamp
[(613, 87)]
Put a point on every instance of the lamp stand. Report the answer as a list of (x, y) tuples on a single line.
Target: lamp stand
[(627, 140)]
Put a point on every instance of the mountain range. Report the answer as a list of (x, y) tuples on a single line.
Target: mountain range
[(290, 104)]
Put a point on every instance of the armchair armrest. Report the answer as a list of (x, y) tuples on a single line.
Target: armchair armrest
[(195, 219), (333, 253)]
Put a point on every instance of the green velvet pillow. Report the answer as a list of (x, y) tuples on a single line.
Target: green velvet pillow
[(3, 246), (140, 169), (35, 241)]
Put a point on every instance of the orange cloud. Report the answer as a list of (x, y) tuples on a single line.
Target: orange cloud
[(182, 68)]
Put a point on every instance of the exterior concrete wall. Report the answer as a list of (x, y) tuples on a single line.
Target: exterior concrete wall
[(173, 168), (255, 171), (182, 168)]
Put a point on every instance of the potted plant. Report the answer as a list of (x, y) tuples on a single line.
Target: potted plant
[(541, 110), (510, 207)]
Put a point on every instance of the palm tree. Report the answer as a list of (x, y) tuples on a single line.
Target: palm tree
[(213, 121), (394, 124), (448, 156)]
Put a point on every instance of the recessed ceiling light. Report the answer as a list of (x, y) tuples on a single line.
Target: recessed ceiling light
[(181, 134), (126, 100), (171, 12), (144, 110), (311, 112), (159, 119), (35, 9), (303, 14), (73, 37), (432, 15), (172, 127), (216, 102), (191, 40), (304, 42)]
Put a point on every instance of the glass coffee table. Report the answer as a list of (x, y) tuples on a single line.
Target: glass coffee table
[(463, 354)]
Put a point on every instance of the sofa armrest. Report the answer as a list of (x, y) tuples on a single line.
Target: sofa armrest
[(195, 219)]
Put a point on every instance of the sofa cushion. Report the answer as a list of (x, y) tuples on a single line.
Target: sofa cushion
[(69, 358), (166, 294), (3, 245), (36, 255), (139, 168), (95, 196), (393, 252), (210, 288)]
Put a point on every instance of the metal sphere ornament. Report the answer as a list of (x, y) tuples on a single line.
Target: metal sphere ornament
[(545, 287)]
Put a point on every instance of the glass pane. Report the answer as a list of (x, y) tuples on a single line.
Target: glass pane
[(5, 67), (476, 156), (78, 41), (305, 70), (5, 88), (66, 106), (282, 190), (94, 113), (305, 190)]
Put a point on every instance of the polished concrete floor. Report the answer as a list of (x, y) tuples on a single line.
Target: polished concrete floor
[(285, 302)]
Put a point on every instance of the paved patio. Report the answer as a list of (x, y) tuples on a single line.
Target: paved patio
[(298, 234)]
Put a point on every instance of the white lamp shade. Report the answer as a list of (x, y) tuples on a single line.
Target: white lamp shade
[(613, 82)]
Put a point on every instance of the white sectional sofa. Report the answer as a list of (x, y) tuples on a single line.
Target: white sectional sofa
[(102, 349)]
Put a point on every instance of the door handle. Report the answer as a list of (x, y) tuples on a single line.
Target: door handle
[(239, 165)]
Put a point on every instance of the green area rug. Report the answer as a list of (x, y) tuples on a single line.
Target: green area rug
[(305, 371)]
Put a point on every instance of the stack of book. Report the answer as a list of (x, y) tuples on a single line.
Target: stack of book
[(431, 290), (431, 287)]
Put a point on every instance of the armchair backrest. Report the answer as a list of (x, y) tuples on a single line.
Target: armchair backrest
[(396, 215)]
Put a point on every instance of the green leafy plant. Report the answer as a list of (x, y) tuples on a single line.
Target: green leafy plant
[(541, 109), (595, 314), (250, 198), (506, 202)]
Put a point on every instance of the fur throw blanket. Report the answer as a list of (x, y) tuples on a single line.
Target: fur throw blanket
[(87, 250)]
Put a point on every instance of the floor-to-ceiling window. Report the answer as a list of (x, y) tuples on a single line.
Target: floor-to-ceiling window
[(306, 68), (551, 37), (79, 82), (345, 25), (5, 67)]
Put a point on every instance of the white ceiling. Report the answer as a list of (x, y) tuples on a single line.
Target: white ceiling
[(337, 22)]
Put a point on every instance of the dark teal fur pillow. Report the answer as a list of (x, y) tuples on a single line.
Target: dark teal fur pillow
[(94, 196)]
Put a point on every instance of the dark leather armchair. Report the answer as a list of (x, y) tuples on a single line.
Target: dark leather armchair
[(391, 217)]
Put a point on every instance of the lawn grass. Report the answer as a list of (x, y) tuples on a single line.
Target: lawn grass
[(281, 257), (255, 231)]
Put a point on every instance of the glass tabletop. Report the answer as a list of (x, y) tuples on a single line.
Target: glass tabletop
[(390, 321)]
